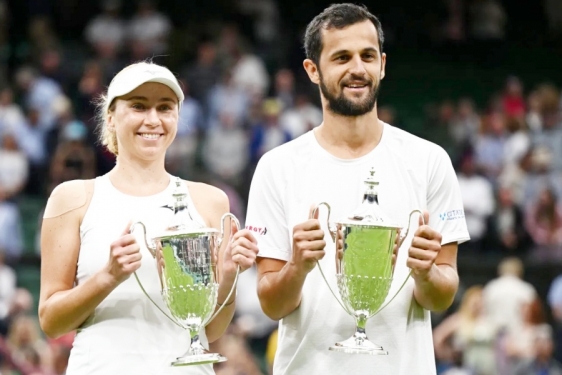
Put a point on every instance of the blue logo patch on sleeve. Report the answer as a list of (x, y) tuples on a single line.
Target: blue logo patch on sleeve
[(452, 215)]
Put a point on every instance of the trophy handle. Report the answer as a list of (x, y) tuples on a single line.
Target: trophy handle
[(152, 250), (333, 236), (400, 242), (219, 243)]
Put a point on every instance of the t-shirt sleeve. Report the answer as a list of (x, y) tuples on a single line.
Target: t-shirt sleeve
[(265, 215), (444, 201)]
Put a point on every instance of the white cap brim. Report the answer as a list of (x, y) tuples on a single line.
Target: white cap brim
[(137, 74)]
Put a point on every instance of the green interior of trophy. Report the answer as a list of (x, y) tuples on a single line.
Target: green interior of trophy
[(189, 291), (367, 266)]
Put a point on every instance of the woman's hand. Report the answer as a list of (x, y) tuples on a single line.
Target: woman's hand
[(241, 250), (124, 257)]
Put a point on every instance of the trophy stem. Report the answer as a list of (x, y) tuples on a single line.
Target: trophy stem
[(359, 343), (197, 354)]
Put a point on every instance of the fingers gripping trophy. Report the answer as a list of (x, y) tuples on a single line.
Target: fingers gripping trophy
[(186, 259), (366, 247)]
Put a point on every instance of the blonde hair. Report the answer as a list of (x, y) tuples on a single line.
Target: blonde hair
[(106, 137)]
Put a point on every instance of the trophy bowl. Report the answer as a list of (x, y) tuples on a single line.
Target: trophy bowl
[(365, 246), (186, 259)]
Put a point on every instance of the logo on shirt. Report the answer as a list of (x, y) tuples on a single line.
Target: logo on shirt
[(452, 215), (258, 230)]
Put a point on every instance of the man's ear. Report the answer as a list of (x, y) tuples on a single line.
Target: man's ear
[(311, 70)]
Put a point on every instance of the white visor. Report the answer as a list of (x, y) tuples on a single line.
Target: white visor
[(135, 75)]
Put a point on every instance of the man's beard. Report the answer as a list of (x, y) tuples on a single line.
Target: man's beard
[(341, 105)]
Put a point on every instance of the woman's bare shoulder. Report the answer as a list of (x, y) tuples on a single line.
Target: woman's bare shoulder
[(69, 196)]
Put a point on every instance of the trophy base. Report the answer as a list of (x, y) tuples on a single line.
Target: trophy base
[(351, 346), (198, 359)]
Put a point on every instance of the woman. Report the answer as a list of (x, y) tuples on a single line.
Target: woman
[(468, 333), (88, 252)]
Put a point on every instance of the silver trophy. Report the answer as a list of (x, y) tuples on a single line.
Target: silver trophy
[(364, 268), (186, 259)]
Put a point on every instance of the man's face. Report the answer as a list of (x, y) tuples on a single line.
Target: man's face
[(350, 69)]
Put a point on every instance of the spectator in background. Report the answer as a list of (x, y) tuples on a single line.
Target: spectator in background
[(226, 151), (543, 220), (31, 140), (284, 87), (465, 125), (554, 299), (267, 134), (227, 95), (148, 31), (519, 342), (249, 72), (303, 117), (106, 32), (469, 332), (11, 236), (506, 227), (21, 304), (203, 74), (40, 93), (506, 295), (478, 199), (513, 100), (11, 115), (26, 344), (180, 156), (550, 139), (517, 141), (489, 148), (74, 157), (542, 361), (533, 116), (13, 168), (7, 287), (437, 128)]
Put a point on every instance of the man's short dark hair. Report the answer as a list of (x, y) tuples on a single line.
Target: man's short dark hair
[(336, 16)]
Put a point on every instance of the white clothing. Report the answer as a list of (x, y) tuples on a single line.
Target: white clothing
[(7, 289), (504, 298), (13, 169), (479, 202), (127, 334), (413, 174)]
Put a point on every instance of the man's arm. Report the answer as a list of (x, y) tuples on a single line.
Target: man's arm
[(280, 283), (279, 287), (436, 289)]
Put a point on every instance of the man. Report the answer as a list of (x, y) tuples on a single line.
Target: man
[(506, 296), (344, 57)]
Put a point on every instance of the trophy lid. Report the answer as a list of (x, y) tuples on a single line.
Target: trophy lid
[(369, 213), (181, 223)]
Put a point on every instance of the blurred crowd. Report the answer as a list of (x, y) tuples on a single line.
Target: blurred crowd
[(237, 107)]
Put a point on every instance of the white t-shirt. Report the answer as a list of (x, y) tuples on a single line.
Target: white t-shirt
[(413, 174)]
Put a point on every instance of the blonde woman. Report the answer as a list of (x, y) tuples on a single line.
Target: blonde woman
[(470, 334), (88, 252)]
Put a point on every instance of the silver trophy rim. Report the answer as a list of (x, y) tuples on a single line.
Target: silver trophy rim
[(354, 223), (184, 232)]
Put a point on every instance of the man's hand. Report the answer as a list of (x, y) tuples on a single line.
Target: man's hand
[(308, 244), (425, 247)]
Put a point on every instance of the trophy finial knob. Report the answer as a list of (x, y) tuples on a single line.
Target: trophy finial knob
[(371, 194), (181, 217)]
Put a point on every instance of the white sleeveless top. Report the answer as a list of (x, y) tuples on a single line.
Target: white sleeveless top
[(127, 334)]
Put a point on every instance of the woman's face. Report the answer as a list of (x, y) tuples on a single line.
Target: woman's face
[(145, 121)]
